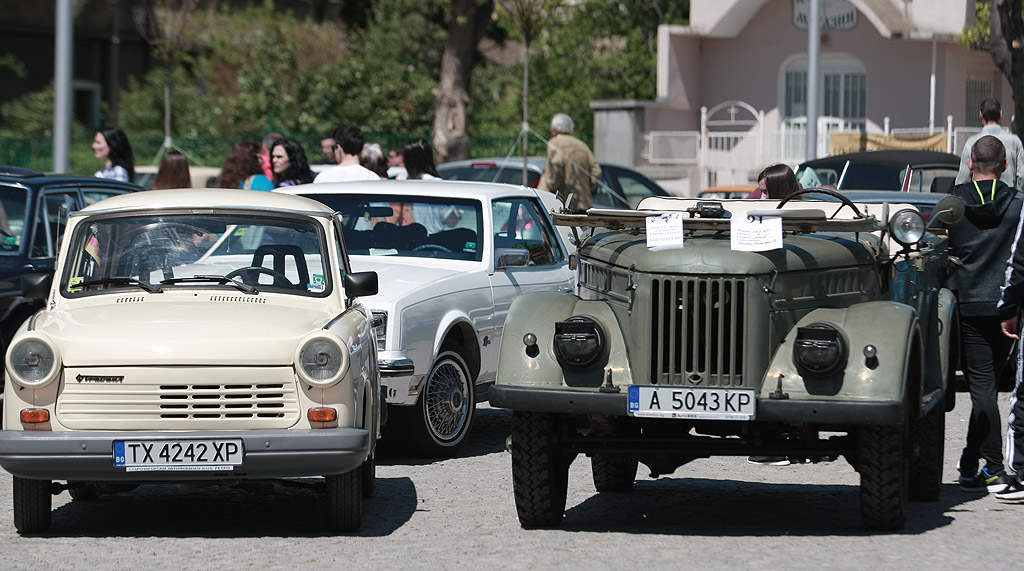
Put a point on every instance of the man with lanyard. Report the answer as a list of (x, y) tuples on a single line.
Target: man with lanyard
[(983, 241)]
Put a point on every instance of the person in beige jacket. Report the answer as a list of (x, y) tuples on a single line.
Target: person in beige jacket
[(570, 171)]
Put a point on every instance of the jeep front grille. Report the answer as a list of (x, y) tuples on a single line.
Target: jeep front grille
[(197, 399), (697, 331)]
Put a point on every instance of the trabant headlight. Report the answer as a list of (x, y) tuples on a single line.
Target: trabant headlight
[(907, 227), (322, 360), (579, 341), (819, 350), (33, 361)]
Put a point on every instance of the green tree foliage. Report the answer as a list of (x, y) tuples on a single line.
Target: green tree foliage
[(595, 49), (977, 36)]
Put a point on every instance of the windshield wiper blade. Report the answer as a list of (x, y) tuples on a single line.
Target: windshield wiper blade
[(222, 280), (121, 280)]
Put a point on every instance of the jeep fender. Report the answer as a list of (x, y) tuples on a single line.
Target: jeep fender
[(891, 376), (537, 366), (949, 337)]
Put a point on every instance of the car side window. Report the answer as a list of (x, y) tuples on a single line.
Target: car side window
[(520, 224), (634, 188), (93, 196), (45, 241)]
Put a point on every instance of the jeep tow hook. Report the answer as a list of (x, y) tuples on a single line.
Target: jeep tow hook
[(608, 387)]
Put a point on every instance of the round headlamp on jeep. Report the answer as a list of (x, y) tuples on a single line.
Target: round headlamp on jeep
[(819, 350), (34, 361), (579, 341), (907, 227), (321, 361)]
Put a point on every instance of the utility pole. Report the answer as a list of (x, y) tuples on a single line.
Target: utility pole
[(62, 65), (813, 71)]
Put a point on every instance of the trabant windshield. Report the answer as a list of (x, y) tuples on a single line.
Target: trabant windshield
[(12, 218), (242, 252), (412, 226)]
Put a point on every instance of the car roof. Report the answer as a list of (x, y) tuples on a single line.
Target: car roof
[(32, 178), (533, 163), (208, 198), (432, 188), (889, 157)]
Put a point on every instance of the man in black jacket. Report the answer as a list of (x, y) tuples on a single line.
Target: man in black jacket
[(984, 240)]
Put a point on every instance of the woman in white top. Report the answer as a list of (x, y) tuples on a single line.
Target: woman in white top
[(112, 147)]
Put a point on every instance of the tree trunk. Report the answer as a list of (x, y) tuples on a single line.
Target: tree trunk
[(469, 21), (1007, 48)]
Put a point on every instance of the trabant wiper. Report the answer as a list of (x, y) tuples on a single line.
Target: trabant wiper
[(222, 280), (121, 280)]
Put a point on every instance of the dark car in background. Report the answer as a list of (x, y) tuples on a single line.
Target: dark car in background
[(30, 210), (619, 187), (900, 170)]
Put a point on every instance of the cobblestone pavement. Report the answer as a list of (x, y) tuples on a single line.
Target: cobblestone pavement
[(711, 514)]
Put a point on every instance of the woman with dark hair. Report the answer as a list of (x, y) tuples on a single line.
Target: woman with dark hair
[(418, 157), (779, 182), (372, 158), (242, 169), (111, 146), (290, 165), (173, 172)]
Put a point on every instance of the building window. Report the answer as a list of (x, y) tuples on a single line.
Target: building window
[(843, 91), (978, 90)]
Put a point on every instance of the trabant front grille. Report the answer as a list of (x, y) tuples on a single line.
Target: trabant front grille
[(697, 331), (151, 400)]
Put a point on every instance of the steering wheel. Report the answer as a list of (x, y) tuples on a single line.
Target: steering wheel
[(434, 247), (250, 275), (818, 190)]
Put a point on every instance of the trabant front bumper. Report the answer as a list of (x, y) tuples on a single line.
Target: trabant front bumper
[(88, 455), (770, 410)]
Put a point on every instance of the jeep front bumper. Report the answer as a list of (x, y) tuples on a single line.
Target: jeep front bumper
[(768, 410)]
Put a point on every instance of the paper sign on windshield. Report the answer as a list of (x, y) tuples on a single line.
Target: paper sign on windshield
[(755, 233), (665, 231)]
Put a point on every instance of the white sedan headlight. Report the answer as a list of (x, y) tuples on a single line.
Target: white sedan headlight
[(321, 360), (33, 360)]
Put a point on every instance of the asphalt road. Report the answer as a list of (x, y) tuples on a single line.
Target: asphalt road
[(711, 514)]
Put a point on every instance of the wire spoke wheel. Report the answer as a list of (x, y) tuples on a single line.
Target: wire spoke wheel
[(445, 402)]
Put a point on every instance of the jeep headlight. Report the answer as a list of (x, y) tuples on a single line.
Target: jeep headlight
[(819, 350), (579, 341), (322, 360), (907, 227), (33, 361)]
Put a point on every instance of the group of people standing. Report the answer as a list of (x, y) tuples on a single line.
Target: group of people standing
[(278, 162)]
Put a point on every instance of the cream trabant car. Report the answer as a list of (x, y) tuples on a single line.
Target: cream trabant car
[(451, 258), (146, 365)]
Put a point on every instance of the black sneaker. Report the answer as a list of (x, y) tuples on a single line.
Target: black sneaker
[(984, 482), (1012, 491)]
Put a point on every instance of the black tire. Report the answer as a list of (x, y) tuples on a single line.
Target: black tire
[(540, 471), (32, 505), (369, 475), (438, 425), (613, 473), (344, 501), (83, 492), (927, 441), (883, 477)]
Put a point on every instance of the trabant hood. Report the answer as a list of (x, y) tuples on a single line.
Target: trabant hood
[(708, 253), (155, 331)]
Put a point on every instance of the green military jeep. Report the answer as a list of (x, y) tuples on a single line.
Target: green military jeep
[(805, 329)]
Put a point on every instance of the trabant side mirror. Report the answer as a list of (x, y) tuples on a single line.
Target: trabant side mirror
[(511, 258), (949, 210), (359, 284), (36, 286)]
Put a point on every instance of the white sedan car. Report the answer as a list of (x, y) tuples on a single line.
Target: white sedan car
[(451, 257)]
